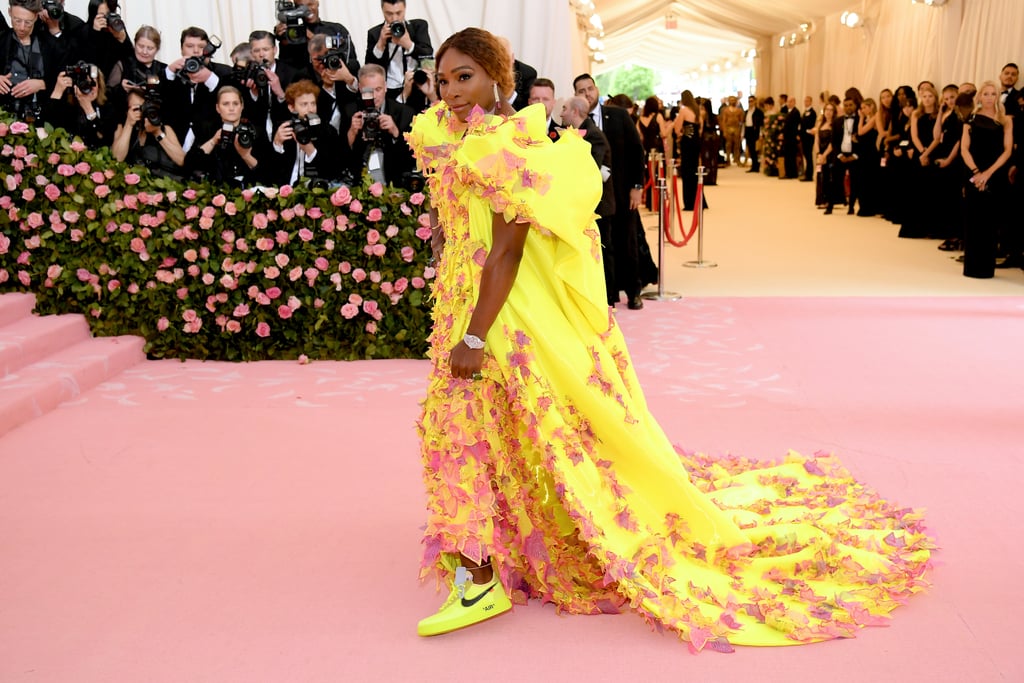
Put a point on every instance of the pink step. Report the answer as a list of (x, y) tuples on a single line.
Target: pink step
[(40, 387), (32, 338), (15, 305)]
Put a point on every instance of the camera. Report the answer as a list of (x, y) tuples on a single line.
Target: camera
[(115, 22), (28, 110), (294, 18), (150, 108), (54, 9), (83, 75), (398, 29), (194, 65), (244, 132), (246, 70), (371, 118), (419, 77), (336, 50), (306, 130)]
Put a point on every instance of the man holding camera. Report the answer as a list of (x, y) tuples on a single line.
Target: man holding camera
[(304, 146), (338, 86), (398, 45), (267, 79), (298, 22), (189, 92), (376, 129), (64, 26), (29, 62)]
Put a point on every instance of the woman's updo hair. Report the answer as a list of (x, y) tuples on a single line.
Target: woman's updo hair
[(485, 49)]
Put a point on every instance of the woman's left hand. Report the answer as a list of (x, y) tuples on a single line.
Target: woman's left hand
[(465, 362)]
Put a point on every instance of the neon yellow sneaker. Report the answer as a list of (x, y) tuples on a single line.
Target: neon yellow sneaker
[(468, 603)]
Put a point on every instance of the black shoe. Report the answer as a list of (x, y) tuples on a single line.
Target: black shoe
[(849, 212), (635, 303), (828, 210), (1009, 262)]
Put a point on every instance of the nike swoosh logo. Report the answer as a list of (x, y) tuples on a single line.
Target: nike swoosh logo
[(470, 603)]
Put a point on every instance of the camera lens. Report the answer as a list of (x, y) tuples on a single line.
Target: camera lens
[(398, 29)]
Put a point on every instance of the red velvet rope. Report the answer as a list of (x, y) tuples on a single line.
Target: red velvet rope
[(679, 213)]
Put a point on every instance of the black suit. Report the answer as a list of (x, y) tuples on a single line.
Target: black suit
[(525, 76), (751, 134), (791, 142), (419, 33), (266, 103), (602, 153), (807, 121), (52, 61), (194, 105), (619, 234), (398, 159), (844, 161), (326, 165), (296, 55)]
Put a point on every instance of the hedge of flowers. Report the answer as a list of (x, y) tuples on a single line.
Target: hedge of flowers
[(206, 272)]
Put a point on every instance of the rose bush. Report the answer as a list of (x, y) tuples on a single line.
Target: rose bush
[(206, 272)]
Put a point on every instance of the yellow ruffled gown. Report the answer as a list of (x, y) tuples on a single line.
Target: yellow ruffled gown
[(553, 466)]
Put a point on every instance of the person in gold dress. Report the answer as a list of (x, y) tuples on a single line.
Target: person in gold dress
[(546, 476)]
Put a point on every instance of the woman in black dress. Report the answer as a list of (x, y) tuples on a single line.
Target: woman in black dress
[(688, 142), (920, 216), (651, 125), (986, 147), (824, 157), (949, 169), (868, 158)]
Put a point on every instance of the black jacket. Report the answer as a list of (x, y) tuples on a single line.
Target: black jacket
[(602, 153), (326, 165), (628, 166), (525, 76), (421, 47), (398, 159)]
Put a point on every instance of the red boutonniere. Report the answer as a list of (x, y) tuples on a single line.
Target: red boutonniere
[(553, 135)]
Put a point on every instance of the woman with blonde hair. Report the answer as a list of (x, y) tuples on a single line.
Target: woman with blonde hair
[(546, 475), (920, 218), (986, 146)]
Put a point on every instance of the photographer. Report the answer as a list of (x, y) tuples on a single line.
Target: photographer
[(305, 147), (29, 63), (139, 70), (338, 86), (103, 39), (232, 154), (420, 90), (64, 26), (267, 79), (293, 36), (78, 105), (143, 140), (398, 45), (190, 86), (376, 128)]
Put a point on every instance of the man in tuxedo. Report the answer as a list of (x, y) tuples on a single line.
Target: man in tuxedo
[(314, 153), (295, 53), (844, 138), (574, 113), (339, 87), (543, 91), (1008, 95), (190, 98), (398, 45), (791, 139), (66, 28), (375, 131), (524, 75), (265, 105), (807, 122), (619, 234), (754, 122)]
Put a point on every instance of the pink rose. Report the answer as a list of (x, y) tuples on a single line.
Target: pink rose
[(132, 178), (19, 128), (387, 287), (375, 276), (345, 267), (376, 189), (189, 194), (419, 283), (401, 284), (358, 274), (182, 294), (274, 292), (265, 244), (356, 206), (284, 312), (285, 191), (24, 278), (263, 330), (162, 324), (271, 272), (102, 191), (191, 212), (260, 222), (379, 249), (423, 233), (54, 271), (371, 327), (295, 273), (282, 237), (230, 209), (28, 194), (329, 245), (52, 192), (372, 309), (220, 200), (372, 237), (294, 303), (189, 316), (281, 260), (82, 167), (205, 223), (327, 225), (287, 214), (391, 231), (321, 263), (77, 146), (208, 279), (233, 326), (314, 212), (5, 243), (133, 288), (306, 235), (355, 299), (417, 198), (374, 215), (408, 253), (349, 311), (341, 196), (97, 177), (303, 359)]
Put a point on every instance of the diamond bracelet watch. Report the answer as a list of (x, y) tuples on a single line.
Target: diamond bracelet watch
[(472, 341)]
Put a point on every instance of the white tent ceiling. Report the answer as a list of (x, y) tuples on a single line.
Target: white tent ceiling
[(708, 31)]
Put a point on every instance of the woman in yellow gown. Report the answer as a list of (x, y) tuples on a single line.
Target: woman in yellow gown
[(546, 475)]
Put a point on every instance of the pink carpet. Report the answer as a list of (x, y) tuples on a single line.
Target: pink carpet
[(260, 522)]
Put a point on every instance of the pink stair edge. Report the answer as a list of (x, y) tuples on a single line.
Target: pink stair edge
[(15, 305), (37, 389), (33, 338)]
